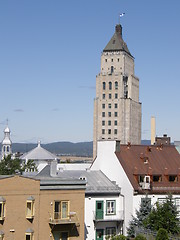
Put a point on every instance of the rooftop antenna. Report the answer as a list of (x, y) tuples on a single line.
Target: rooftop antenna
[(121, 15)]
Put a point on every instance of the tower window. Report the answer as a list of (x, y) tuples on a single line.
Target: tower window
[(115, 105), (111, 60), (115, 114), (109, 105), (118, 59), (110, 85), (103, 131), (105, 60), (103, 123), (116, 85), (116, 95), (103, 105), (126, 94), (109, 131), (103, 96), (115, 122), (110, 96), (109, 123), (103, 114), (115, 131), (112, 69), (104, 86), (7, 148), (109, 114)]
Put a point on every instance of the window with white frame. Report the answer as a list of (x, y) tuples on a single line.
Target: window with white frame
[(2, 208), (30, 207), (110, 207), (1, 235), (110, 231), (29, 234)]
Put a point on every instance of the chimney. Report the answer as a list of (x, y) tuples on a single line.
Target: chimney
[(153, 130), (117, 146), (53, 168)]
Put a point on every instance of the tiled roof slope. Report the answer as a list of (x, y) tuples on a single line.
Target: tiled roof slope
[(143, 160), (116, 43)]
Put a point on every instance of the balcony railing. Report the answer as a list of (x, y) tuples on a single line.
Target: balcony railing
[(104, 217), (57, 218)]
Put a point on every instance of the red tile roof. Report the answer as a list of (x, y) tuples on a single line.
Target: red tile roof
[(141, 160)]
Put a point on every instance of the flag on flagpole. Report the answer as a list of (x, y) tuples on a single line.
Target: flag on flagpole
[(122, 14)]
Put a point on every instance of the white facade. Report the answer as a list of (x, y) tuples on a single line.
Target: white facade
[(109, 222), (108, 163)]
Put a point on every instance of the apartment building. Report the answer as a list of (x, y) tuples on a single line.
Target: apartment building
[(104, 210), (42, 208)]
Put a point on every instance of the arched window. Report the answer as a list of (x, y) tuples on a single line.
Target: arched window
[(104, 86), (7, 148), (110, 85), (4, 148), (112, 69), (116, 85)]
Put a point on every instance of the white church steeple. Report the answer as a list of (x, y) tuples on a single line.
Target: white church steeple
[(6, 143)]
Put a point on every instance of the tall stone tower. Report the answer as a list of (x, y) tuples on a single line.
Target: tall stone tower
[(117, 110)]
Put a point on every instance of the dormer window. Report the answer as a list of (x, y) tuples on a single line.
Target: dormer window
[(157, 178), (172, 178)]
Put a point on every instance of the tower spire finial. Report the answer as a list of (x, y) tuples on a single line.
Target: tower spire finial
[(121, 15)]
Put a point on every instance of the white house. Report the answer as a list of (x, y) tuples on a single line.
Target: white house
[(140, 170)]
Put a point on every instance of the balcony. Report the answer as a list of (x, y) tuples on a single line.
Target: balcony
[(103, 217), (57, 219)]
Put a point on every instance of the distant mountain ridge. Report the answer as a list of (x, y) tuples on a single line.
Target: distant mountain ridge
[(63, 148)]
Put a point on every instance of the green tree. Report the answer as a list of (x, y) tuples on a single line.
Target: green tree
[(140, 237), (162, 234), (164, 215), (9, 166), (141, 215)]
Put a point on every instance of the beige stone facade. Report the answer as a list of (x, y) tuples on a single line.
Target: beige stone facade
[(30, 211), (117, 110)]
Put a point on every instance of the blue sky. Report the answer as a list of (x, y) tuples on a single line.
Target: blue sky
[(50, 56)]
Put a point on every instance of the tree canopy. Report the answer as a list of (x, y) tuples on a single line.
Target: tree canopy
[(9, 166), (141, 215), (164, 215)]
